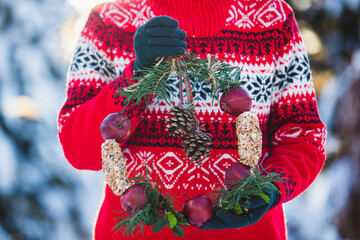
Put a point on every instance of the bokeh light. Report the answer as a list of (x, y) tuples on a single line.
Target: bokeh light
[(21, 107), (301, 5), (82, 6)]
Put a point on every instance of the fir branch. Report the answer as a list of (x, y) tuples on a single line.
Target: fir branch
[(159, 212), (134, 224), (217, 74), (237, 198)]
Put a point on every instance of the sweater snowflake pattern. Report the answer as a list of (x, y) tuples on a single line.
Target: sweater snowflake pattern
[(262, 37)]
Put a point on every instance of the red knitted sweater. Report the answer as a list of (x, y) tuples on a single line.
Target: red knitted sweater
[(259, 35)]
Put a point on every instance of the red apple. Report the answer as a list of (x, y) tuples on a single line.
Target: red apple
[(134, 199), (235, 101), (236, 172), (116, 126), (198, 210)]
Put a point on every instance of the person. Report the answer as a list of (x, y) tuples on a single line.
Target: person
[(262, 37)]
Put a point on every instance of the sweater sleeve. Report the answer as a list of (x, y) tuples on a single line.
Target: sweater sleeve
[(92, 89), (296, 133)]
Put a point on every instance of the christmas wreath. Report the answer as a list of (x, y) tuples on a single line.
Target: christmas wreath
[(144, 201)]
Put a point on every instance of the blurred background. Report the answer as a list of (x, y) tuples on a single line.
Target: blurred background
[(43, 197)]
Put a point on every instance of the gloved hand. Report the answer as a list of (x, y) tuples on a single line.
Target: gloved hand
[(158, 37), (257, 208)]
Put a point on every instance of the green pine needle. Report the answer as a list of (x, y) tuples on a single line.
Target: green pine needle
[(154, 82), (237, 198), (159, 212)]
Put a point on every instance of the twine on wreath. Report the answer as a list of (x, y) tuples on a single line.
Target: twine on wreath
[(211, 70), (179, 74), (173, 69), (189, 95), (183, 79)]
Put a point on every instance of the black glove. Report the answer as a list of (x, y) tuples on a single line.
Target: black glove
[(158, 37), (257, 208)]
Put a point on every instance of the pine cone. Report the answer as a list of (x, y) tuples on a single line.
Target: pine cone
[(196, 145), (182, 122)]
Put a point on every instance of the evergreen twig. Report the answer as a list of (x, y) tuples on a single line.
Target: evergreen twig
[(159, 212), (217, 74), (237, 198)]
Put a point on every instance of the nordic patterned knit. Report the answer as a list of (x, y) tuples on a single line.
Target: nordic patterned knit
[(262, 37)]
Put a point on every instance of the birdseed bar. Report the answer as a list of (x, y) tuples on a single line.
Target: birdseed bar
[(249, 139), (114, 167)]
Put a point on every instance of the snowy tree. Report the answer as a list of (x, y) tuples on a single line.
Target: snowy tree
[(40, 194)]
